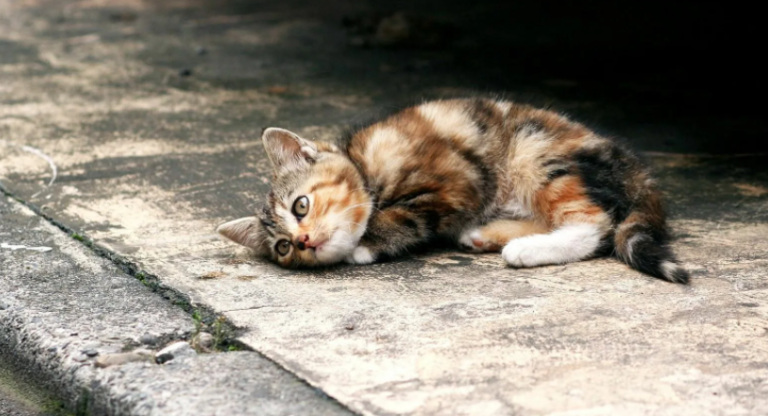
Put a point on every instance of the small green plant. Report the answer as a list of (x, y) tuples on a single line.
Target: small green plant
[(234, 348), (78, 237), (142, 278), (182, 304), (198, 319), (218, 332), (56, 408)]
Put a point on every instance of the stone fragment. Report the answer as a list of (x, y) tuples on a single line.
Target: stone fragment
[(202, 341), (176, 350), (124, 358), (149, 339)]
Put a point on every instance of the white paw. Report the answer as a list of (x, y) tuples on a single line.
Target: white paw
[(565, 245), (471, 240), (361, 255), (520, 253)]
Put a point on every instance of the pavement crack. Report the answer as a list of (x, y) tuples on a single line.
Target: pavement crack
[(254, 308)]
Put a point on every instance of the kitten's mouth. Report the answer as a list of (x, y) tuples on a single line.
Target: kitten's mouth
[(318, 246)]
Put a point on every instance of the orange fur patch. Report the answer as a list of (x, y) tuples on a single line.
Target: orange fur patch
[(565, 200), (497, 234)]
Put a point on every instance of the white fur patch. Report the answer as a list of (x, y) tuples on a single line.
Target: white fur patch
[(504, 106), (564, 245), (338, 247), (450, 120), (361, 255), (632, 241), (517, 209), (386, 152), (469, 236), (529, 148), (669, 269)]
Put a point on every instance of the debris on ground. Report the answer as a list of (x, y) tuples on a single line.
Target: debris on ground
[(174, 351), (213, 275), (203, 342), (137, 355)]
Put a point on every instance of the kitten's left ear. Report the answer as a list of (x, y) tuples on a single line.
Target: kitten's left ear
[(286, 150), (244, 231)]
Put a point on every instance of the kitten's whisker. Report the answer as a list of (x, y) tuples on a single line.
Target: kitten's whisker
[(369, 204)]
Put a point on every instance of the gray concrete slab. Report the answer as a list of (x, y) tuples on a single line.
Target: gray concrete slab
[(148, 162), (62, 309), (19, 396)]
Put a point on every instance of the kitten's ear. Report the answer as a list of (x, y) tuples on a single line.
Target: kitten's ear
[(286, 150), (244, 231)]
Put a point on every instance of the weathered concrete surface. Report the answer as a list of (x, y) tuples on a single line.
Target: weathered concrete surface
[(149, 162), (19, 396), (62, 307)]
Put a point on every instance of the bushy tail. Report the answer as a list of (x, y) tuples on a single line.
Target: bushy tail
[(642, 241)]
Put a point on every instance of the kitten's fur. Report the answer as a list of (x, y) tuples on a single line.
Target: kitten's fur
[(489, 175)]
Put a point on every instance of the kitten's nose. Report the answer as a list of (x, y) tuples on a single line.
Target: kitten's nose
[(302, 241)]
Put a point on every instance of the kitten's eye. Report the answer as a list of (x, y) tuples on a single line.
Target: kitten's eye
[(283, 247), (301, 206)]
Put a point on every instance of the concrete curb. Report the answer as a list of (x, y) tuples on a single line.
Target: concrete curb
[(62, 308)]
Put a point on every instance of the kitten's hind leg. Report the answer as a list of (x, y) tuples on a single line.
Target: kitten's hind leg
[(494, 235), (569, 243)]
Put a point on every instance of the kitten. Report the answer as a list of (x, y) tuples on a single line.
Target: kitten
[(489, 175)]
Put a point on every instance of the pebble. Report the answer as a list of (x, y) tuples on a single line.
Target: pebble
[(124, 358), (176, 350), (4, 305), (148, 339), (80, 358), (91, 352), (203, 340)]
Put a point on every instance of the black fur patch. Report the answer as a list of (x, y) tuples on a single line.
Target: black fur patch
[(432, 219), (603, 175), (651, 254), (411, 224), (556, 173), (483, 113), (405, 199), (488, 183)]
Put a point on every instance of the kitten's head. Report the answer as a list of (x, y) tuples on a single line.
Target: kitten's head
[(316, 211)]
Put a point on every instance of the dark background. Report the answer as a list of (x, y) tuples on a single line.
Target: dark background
[(693, 64)]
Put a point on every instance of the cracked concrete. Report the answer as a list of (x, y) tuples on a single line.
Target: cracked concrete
[(149, 162), (63, 309)]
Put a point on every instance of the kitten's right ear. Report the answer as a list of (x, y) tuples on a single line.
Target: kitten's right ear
[(286, 150), (244, 231)]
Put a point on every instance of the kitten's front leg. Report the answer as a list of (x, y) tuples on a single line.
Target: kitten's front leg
[(360, 255), (390, 232), (496, 234)]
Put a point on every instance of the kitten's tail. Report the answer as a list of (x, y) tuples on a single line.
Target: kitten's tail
[(642, 241)]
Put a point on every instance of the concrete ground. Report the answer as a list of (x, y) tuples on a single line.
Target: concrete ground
[(135, 127), (20, 396)]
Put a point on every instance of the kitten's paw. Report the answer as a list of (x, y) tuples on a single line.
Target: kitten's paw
[(518, 253), (361, 255), (471, 240)]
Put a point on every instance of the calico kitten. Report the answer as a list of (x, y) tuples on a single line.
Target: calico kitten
[(489, 175)]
